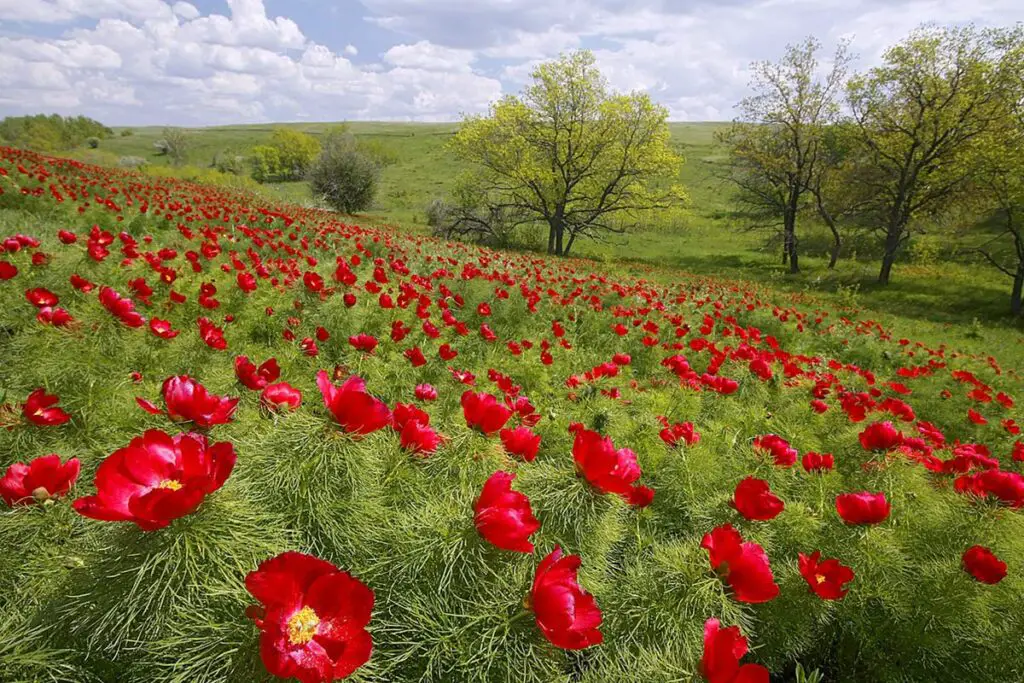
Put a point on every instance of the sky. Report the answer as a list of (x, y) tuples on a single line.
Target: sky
[(208, 62)]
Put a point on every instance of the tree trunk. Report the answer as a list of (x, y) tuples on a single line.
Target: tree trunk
[(789, 242), (1016, 305), (558, 239), (837, 245), (551, 238), (568, 246), (892, 244)]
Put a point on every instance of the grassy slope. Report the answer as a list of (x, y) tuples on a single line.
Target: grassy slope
[(708, 242)]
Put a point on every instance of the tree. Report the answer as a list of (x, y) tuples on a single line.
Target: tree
[(51, 133), (344, 176), (266, 163), (570, 154), (297, 151), (176, 144), (918, 116), (999, 169), (774, 144)]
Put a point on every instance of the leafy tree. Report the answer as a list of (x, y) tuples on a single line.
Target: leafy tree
[(570, 154), (344, 175), (999, 170), (176, 144), (918, 116), (297, 151), (775, 143), (51, 132), (266, 162)]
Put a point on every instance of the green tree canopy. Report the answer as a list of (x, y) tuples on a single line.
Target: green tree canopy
[(50, 133), (568, 153)]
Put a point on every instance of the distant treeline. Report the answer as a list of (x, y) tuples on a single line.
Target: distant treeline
[(50, 132)]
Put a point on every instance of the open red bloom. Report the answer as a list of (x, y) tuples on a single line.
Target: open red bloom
[(521, 442), (7, 270), (188, 401), (607, 469), (817, 462), (45, 478), (484, 412), (163, 329), (253, 377), (1007, 487), (41, 409), (40, 297), (419, 437), (754, 500), (282, 396), (745, 565), (880, 436), (827, 579), (863, 508), (121, 307), (567, 615), (355, 410), (723, 650), (425, 392), (503, 516), (363, 342), (780, 450), (983, 565), (58, 317), (157, 478), (312, 618), (211, 335)]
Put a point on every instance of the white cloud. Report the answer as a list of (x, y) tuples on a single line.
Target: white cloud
[(166, 61), (426, 55)]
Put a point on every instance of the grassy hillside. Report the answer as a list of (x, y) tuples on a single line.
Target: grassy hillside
[(710, 240)]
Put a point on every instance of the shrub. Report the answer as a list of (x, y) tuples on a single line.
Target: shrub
[(343, 176), (131, 162), (92, 142)]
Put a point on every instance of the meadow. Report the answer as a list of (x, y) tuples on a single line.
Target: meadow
[(247, 438)]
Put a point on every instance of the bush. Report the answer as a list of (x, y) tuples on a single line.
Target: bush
[(93, 142), (131, 162), (229, 161), (344, 176), (53, 132), (127, 133)]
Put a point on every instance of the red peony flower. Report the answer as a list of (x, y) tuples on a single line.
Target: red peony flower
[(121, 307), (681, 431), (745, 565), (43, 479), (723, 650), (880, 436), (863, 508), (425, 392), (567, 615), (282, 396), (163, 329), (355, 410), (503, 516), (41, 409), (41, 297), (58, 317), (521, 442), (253, 377), (780, 450), (419, 437), (188, 401), (157, 478), (983, 565), (1007, 487), (607, 469), (483, 412), (415, 356), (827, 579), (363, 342), (817, 462), (7, 270), (212, 335), (755, 501), (312, 618)]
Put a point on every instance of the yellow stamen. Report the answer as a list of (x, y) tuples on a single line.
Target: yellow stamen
[(302, 626), (172, 484), (820, 578)]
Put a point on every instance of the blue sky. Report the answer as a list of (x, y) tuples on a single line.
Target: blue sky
[(138, 62)]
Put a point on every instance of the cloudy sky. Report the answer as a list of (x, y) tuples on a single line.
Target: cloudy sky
[(136, 62)]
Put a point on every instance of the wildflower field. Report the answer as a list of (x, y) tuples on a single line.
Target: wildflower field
[(243, 442)]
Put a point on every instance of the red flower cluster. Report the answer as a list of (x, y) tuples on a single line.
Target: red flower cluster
[(744, 564), (609, 470)]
